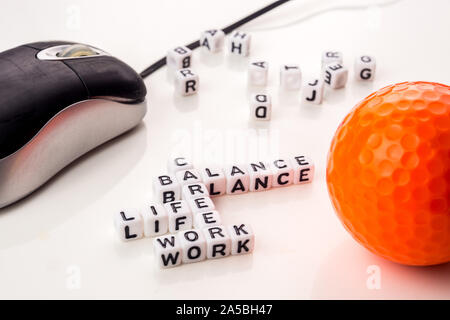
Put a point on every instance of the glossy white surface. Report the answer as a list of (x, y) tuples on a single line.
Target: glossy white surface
[(60, 241)]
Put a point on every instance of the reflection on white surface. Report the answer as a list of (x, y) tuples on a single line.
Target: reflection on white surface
[(348, 271)]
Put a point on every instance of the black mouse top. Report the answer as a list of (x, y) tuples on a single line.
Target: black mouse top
[(38, 80)]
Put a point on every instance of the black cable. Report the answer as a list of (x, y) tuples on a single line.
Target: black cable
[(194, 45)]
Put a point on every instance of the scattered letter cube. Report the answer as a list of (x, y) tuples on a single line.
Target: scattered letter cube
[(257, 73), (212, 40), (242, 239), (156, 221), (261, 107), (214, 180), (193, 245), (365, 67), (218, 242), (260, 176), (238, 179), (335, 75), (290, 77), (312, 91), (179, 58), (186, 82), (303, 170), (167, 251), (180, 216), (129, 224), (331, 57), (239, 43), (283, 174), (166, 188)]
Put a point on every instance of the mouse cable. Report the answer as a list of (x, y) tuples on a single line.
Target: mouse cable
[(162, 62)]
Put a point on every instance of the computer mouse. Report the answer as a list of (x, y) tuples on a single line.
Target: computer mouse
[(59, 100)]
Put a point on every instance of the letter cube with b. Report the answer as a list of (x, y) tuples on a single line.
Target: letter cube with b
[(179, 58), (186, 82), (257, 73), (218, 242), (212, 40), (331, 57), (312, 91), (261, 107), (242, 239), (335, 75), (166, 188), (365, 67), (180, 216), (193, 245), (129, 224), (167, 251), (303, 170), (260, 176), (239, 43)]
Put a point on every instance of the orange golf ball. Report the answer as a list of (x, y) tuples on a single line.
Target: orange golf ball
[(388, 173)]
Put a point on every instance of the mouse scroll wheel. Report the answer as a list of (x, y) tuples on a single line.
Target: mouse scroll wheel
[(76, 50)]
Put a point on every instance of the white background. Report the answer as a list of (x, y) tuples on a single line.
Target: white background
[(60, 242)]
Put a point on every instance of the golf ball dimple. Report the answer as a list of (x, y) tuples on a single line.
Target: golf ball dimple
[(388, 173)]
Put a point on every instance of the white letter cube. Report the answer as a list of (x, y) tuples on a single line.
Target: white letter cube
[(214, 180), (335, 75), (331, 57), (239, 43), (218, 242), (129, 224), (261, 106), (365, 67), (260, 176), (186, 82), (238, 179), (207, 219), (193, 245), (180, 216), (194, 190), (290, 77), (283, 173), (179, 58), (156, 221), (167, 251), (188, 176), (201, 204), (303, 170), (212, 40), (178, 163), (242, 239), (312, 91), (166, 188), (257, 73)]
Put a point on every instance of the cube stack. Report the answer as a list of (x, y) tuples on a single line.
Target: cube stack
[(184, 219)]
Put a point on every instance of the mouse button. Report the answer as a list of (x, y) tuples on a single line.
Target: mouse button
[(31, 93), (106, 76)]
